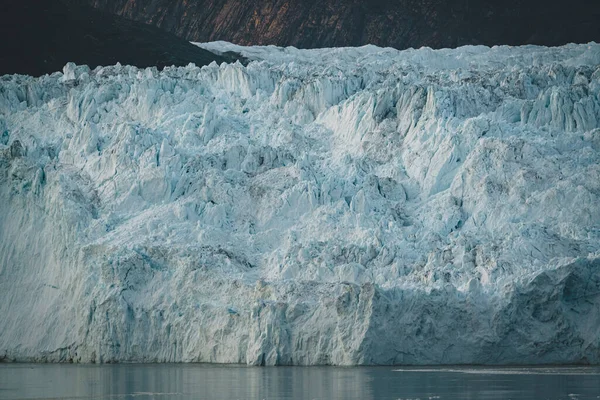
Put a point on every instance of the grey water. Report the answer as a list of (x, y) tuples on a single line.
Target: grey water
[(212, 382)]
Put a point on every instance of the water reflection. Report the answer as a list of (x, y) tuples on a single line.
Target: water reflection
[(181, 381)]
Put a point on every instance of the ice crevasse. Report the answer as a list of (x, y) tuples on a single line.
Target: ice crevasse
[(333, 207)]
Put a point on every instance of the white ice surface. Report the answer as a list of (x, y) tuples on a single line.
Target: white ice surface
[(334, 206)]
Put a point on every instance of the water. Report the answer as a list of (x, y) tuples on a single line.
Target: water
[(185, 381)]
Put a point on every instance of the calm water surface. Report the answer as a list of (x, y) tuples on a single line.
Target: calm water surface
[(181, 381)]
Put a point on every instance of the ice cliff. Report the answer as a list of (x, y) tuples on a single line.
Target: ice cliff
[(340, 206)]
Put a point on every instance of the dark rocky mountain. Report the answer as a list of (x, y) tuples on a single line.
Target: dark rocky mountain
[(39, 37), (396, 23)]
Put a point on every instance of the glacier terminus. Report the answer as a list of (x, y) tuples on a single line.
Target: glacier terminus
[(351, 206)]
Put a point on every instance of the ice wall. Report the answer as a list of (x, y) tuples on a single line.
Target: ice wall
[(338, 206)]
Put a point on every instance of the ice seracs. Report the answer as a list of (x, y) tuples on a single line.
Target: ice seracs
[(336, 206)]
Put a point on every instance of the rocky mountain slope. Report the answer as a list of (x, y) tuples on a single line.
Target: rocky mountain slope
[(345, 206), (396, 23), (40, 37)]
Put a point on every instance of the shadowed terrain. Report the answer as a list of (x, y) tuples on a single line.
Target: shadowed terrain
[(395, 23), (41, 37)]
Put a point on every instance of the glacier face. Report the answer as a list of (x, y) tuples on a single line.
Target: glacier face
[(336, 206)]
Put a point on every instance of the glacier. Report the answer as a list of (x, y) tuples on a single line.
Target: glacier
[(352, 206)]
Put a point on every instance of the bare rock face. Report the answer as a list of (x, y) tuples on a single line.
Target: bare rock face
[(395, 23)]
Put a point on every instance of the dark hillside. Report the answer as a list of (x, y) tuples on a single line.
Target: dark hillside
[(395, 23), (40, 37)]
